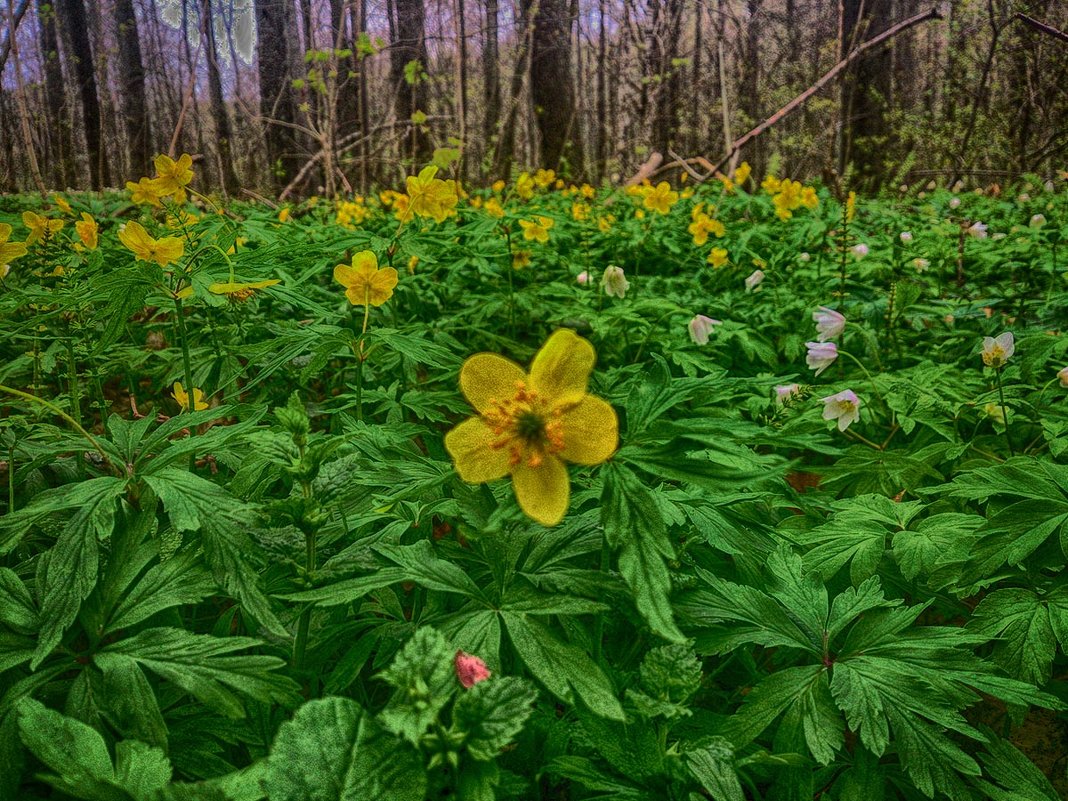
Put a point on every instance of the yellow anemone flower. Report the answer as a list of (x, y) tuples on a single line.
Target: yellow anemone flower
[(172, 175), (144, 191), (661, 198), (494, 208), (40, 227), (741, 174), (429, 196), (521, 259), (536, 229), (366, 284), (529, 424), (718, 257), (241, 291), (87, 231), (145, 248), (180, 395), (62, 203), (9, 251)]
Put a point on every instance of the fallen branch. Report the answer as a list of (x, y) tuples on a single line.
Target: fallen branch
[(1041, 26), (802, 98)]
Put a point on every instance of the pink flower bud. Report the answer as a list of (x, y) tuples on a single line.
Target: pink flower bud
[(470, 670)]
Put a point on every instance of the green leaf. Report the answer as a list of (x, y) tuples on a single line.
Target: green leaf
[(633, 524), (1021, 621), (333, 750), (71, 571), (205, 666), (1016, 777), (564, 668), (713, 766), (491, 713), (196, 504), (419, 564), (424, 678), (179, 580), (93, 500)]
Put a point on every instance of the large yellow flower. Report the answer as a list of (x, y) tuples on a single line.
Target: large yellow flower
[(431, 197), (40, 227), (9, 251), (529, 425), (145, 248), (364, 283), (172, 175)]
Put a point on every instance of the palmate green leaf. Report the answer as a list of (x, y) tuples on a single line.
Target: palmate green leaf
[(80, 760), (70, 573), (634, 526), (196, 504), (1028, 627), (803, 694), (564, 668), (586, 773), (17, 609), (419, 564), (332, 750), (935, 540), (206, 667), (491, 713)]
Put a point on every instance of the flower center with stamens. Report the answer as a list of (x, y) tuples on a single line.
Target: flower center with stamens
[(526, 425)]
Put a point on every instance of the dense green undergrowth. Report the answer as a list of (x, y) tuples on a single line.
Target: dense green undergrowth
[(237, 560)]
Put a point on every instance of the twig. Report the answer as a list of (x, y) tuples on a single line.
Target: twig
[(800, 100), (1041, 26)]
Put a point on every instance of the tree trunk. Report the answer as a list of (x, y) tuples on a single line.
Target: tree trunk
[(461, 97), (59, 156), (219, 114), (491, 72), (132, 91), (550, 83), (409, 47), (276, 96), (71, 14), (866, 93)]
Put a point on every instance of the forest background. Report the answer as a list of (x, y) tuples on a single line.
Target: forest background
[(298, 97)]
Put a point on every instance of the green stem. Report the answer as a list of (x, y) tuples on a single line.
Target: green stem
[(11, 476), (75, 396), (868, 375), (1004, 412), (56, 410), (187, 364)]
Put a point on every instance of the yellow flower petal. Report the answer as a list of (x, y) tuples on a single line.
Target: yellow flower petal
[(470, 445), (543, 492), (487, 376), (591, 431), (382, 283), (561, 369)]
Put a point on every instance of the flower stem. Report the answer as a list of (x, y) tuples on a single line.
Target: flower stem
[(871, 380), (75, 396), (56, 410), (187, 364), (1004, 412)]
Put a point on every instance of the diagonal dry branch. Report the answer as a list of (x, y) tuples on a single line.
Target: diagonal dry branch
[(802, 98)]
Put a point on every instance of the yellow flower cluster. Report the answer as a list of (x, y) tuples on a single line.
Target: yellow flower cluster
[(171, 179), (537, 229), (788, 196), (351, 213), (704, 224)]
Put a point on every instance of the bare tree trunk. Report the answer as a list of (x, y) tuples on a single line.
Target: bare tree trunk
[(550, 83), (72, 16), (602, 92), (409, 47), (57, 111), (491, 72), (506, 144), (23, 111), (461, 100), (132, 91), (219, 114), (276, 97)]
